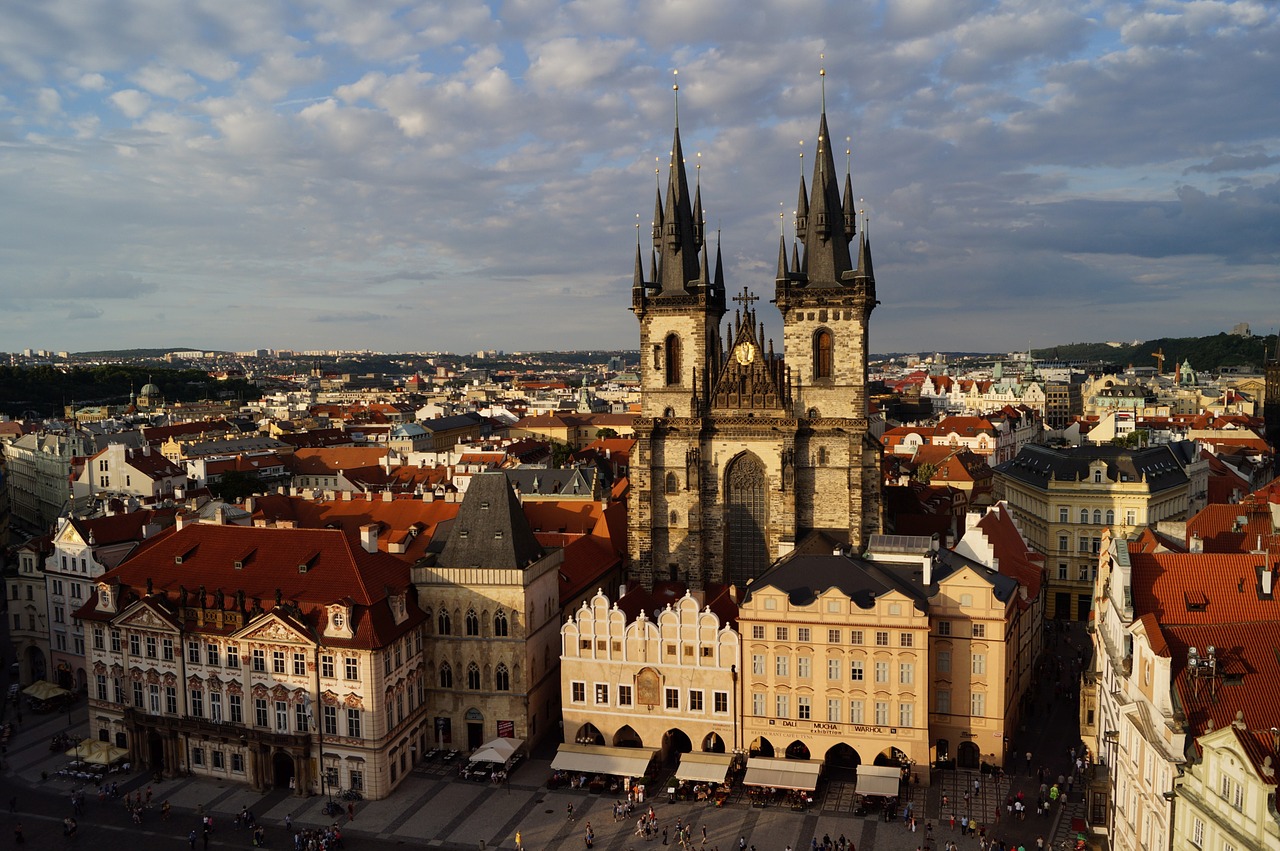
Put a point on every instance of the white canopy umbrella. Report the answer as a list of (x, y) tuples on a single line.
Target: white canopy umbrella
[(499, 750)]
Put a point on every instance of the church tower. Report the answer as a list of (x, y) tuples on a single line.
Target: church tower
[(741, 452)]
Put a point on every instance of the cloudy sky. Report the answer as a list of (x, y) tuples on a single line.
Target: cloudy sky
[(459, 175)]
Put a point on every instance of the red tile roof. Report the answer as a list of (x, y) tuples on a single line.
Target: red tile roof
[(1221, 532), (1249, 669), (1199, 588), (1014, 557), (395, 518)]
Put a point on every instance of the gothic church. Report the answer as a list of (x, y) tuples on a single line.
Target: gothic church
[(743, 452)]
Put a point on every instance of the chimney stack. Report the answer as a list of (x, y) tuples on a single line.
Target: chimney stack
[(369, 537)]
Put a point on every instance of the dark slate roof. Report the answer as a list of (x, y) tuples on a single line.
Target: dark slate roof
[(1161, 467), (467, 420), (563, 481), (804, 576), (490, 529)]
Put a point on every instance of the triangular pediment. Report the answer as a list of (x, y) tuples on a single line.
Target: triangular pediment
[(273, 628), (144, 614), (750, 378)]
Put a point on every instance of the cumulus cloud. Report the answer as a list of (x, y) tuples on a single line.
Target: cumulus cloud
[(1042, 160)]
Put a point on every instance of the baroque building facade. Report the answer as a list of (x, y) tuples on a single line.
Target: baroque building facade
[(735, 442)]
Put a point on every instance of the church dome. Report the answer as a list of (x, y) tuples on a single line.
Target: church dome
[(149, 389)]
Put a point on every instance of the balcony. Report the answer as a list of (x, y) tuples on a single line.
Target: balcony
[(206, 729)]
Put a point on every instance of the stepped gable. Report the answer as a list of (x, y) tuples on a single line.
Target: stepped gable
[(751, 378), (490, 530)]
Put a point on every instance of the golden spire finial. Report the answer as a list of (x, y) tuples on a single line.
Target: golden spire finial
[(822, 75), (848, 151), (637, 230), (782, 219), (802, 159), (697, 173), (675, 87)]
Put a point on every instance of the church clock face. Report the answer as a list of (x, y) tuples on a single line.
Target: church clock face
[(744, 353)]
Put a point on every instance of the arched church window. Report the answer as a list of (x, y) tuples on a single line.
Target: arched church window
[(673, 484), (473, 622), (822, 455), (747, 546), (675, 518), (822, 354), (500, 626), (473, 676), (673, 359), (446, 675), (444, 627), (501, 678)]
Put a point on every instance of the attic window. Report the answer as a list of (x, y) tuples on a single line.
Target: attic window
[(302, 568), (497, 536), (1196, 601), (463, 533), (484, 506), (239, 565)]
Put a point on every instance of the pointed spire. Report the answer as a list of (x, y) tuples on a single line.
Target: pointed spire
[(782, 258), (826, 246), (637, 281), (653, 265), (697, 205), (795, 257), (850, 214), (704, 274), (719, 279), (802, 208), (657, 214), (865, 269), (679, 243)]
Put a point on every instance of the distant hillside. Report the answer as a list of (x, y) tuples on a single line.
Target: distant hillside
[(113, 354), (1204, 353)]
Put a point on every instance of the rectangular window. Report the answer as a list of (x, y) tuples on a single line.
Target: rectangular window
[(135, 641), (260, 712), (100, 681), (171, 700), (882, 638), (802, 633), (1084, 544), (137, 695), (99, 639), (624, 695), (1064, 515), (833, 669), (351, 668), (882, 672), (906, 673), (152, 647), (237, 763), (1130, 519), (804, 667), (906, 639), (578, 692), (804, 707), (326, 667), (944, 661), (833, 636), (757, 631), (1064, 543), (855, 636), (301, 722), (197, 756), (299, 665), (217, 760), (193, 652), (1062, 570), (979, 630), (166, 649), (782, 705), (978, 704), (695, 700), (757, 664), (979, 663), (673, 698), (720, 701), (115, 641), (944, 627), (781, 665), (856, 672), (780, 633), (233, 656), (235, 703), (856, 712), (833, 710), (330, 715), (353, 723), (906, 714), (757, 704), (259, 661), (282, 717), (117, 685), (196, 698), (602, 694), (277, 661), (211, 653), (215, 707), (1197, 833), (882, 713), (942, 702)]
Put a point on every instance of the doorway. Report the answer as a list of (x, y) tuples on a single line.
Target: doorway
[(282, 767), (968, 755), (155, 747), (475, 734)]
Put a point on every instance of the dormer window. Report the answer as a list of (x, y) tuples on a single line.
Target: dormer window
[(339, 620)]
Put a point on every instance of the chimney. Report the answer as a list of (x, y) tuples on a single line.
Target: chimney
[(1197, 543), (179, 520), (146, 450), (369, 537), (179, 494), (926, 565), (248, 504), (1268, 582), (220, 515), (387, 496)]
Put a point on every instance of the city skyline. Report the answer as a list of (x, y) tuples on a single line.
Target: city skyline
[(414, 176)]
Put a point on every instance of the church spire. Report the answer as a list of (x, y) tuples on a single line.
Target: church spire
[(825, 242), (678, 244)]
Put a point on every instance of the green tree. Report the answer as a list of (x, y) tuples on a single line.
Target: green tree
[(606, 433), (925, 472)]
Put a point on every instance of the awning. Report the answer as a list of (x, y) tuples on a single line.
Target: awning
[(879, 780), (499, 750), (598, 759), (799, 774), (699, 767)]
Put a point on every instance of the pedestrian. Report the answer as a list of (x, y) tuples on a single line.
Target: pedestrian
[(191, 839), (570, 810), (351, 811), (664, 827), (519, 845), (17, 834)]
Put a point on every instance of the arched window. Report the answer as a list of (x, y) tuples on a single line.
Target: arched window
[(822, 354), (502, 678), (673, 484), (746, 548), (822, 455), (1097, 517), (500, 627), (1111, 516), (1084, 515), (473, 676), (446, 675), (673, 359), (443, 626), (473, 622)]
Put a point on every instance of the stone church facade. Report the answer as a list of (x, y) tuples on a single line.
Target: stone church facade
[(743, 451)]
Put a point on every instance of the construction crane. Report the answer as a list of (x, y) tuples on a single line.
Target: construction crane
[(1158, 354)]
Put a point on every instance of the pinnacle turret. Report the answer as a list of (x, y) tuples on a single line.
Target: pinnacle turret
[(825, 241)]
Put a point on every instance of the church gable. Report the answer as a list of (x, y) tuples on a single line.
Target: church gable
[(750, 378)]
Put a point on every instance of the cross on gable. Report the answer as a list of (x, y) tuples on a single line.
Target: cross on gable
[(746, 299)]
